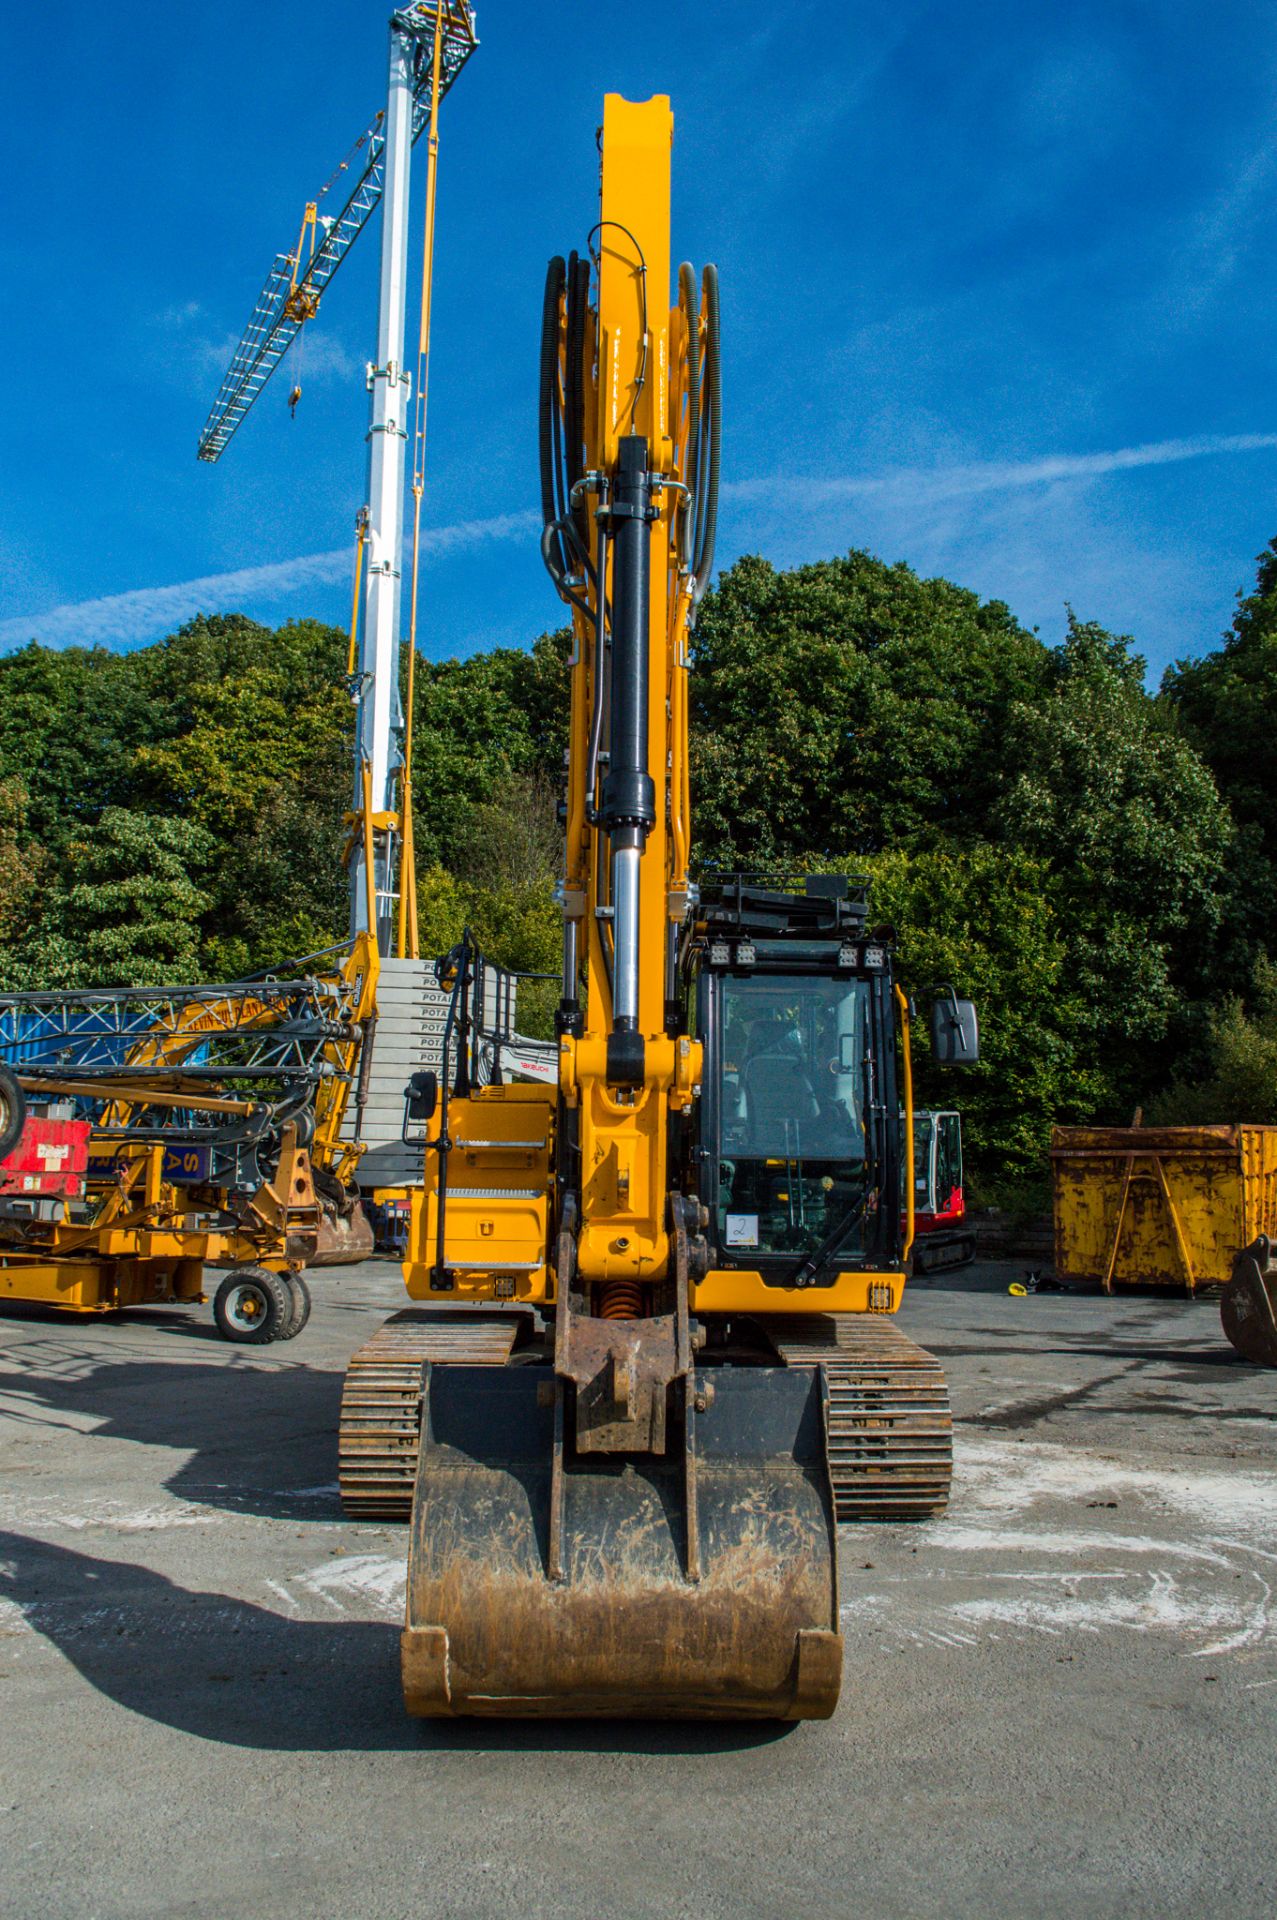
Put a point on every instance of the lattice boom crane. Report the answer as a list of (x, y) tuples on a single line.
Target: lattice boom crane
[(293, 288), (430, 42)]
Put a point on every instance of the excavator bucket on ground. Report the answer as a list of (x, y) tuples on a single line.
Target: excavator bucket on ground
[(343, 1239), (1248, 1304), (696, 1583)]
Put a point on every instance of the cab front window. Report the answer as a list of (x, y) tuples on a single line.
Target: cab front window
[(795, 1078)]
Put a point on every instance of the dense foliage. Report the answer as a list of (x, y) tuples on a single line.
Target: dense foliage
[(1097, 864)]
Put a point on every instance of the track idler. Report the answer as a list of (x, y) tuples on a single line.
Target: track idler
[(697, 1582), (1248, 1304)]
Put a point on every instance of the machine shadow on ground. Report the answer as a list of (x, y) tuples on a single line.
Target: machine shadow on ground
[(259, 1440), (222, 1669)]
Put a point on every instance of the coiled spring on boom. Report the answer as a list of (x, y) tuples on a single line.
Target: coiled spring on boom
[(621, 1300)]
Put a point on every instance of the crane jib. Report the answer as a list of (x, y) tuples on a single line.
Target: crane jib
[(277, 317)]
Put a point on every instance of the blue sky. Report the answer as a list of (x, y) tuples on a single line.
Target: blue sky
[(998, 292)]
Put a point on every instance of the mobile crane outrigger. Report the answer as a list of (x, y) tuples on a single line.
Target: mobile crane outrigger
[(624, 1478)]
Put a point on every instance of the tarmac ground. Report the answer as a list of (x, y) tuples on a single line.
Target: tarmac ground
[(1061, 1699)]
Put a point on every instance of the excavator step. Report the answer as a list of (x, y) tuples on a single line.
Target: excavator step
[(890, 1425), (379, 1431)]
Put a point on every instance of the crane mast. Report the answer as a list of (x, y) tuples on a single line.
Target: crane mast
[(430, 42), (379, 725)]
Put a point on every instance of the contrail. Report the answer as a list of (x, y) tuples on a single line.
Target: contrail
[(147, 611), (948, 483)]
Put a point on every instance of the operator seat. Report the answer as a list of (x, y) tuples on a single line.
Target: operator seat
[(777, 1089)]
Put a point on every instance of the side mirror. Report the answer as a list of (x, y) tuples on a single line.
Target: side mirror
[(955, 1032), (422, 1095)]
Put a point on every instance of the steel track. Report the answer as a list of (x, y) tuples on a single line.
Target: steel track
[(380, 1427), (890, 1425)]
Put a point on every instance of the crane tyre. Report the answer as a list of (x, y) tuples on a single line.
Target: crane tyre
[(254, 1306), (13, 1112), (301, 1306)]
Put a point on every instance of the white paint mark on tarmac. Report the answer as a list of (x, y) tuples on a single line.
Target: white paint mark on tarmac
[(1024, 1553), (26, 1512), (1149, 1601), (1004, 1477), (360, 1580), (959, 1539), (281, 1593)]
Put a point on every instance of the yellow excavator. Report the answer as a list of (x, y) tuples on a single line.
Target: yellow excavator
[(652, 1362)]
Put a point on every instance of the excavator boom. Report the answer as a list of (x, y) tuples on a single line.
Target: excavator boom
[(614, 1532)]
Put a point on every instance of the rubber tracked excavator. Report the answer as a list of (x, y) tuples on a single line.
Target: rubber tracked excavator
[(653, 1363)]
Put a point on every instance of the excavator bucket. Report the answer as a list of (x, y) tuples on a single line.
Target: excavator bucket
[(698, 1583), (343, 1239), (1248, 1304)]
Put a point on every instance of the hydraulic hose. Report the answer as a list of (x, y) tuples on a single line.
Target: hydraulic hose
[(548, 415), (578, 303), (711, 445), (687, 301)]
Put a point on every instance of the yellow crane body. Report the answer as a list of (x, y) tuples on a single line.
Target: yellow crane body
[(148, 1226)]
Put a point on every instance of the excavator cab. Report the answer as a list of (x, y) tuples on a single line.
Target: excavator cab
[(794, 1003)]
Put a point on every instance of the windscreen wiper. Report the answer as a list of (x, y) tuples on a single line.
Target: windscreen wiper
[(804, 1274)]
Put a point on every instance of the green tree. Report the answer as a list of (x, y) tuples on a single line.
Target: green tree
[(509, 856), (1234, 1078), (1127, 821), (130, 913), (1227, 704), (478, 721), (259, 756), (71, 723), (24, 874), (980, 917), (849, 704)]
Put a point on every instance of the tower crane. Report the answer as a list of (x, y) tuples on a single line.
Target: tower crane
[(430, 43)]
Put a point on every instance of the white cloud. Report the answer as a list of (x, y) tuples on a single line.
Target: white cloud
[(127, 618), (322, 356), (934, 491), (927, 484), (1036, 533)]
